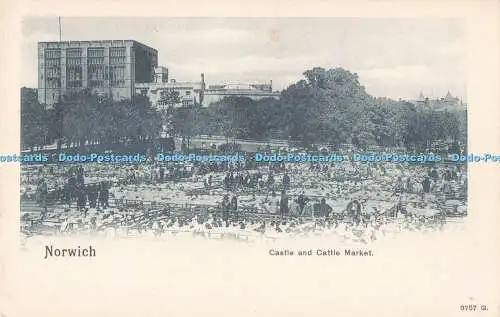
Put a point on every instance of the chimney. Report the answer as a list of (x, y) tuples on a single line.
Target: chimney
[(202, 90), (271, 86)]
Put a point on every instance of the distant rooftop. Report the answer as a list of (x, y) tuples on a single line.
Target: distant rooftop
[(241, 86), (448, 97), (252, 92)]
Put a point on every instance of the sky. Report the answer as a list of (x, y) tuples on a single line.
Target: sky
[(395, 58)]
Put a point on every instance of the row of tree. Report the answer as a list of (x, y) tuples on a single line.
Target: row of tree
[(86, 118), (328, 106)]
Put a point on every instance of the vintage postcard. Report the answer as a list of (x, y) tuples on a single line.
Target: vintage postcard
[(274, 159)]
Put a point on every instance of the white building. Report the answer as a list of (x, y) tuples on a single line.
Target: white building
[(161, 90), (253, 91)]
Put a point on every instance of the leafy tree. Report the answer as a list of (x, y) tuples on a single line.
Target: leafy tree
[(86, 118), (169, 98), (328, 106), (34, 129)]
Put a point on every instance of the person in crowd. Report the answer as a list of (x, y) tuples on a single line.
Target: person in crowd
[(80, 178), (301, 201), (81, 198), (132, 176), (270, 179), (246, 179), (399, 186), (354, 211), (294, 208), (93, 224), (409, 185), (283, 204), (226, 209), (454, 173), (72, 187), (157, 174), (232, 180), (137, 176), (66, 194), (43, 193), (271, 204), (162, 174), (227, 181), (234, 207), (324, 209), (157, 228), (93, 194), (241, 179), (434, 175), (426, 185), (103, 196), (286, 181), (151, 175)]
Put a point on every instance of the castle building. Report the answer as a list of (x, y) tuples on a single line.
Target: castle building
[(449, 102), (105, 67)]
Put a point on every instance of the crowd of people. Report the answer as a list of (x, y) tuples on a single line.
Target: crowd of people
[(223, 198)]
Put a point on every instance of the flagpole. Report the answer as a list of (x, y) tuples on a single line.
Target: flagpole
[(60, 40), (60, 33)]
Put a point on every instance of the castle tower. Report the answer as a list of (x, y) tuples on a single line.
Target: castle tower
[(421, 96), (448, 97)]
